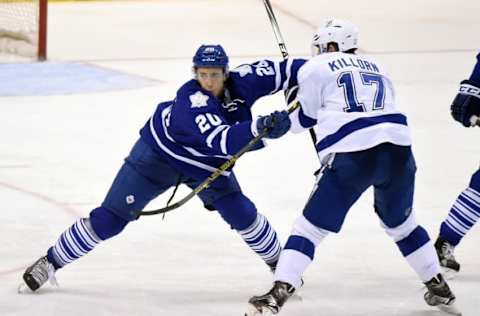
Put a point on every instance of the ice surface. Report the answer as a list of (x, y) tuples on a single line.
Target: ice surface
[(59, 154)]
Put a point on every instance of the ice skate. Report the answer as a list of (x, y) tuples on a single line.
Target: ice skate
[(272, 302), (445, 255), (296, 296), (37, 275), (439, 295)]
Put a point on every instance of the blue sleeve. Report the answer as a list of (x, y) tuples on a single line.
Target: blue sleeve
[(266, 77), (305, 120), (197, 124), (301, 121), (475, 77)]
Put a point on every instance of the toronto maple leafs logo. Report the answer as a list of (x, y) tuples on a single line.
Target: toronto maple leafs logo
[(198, 99)]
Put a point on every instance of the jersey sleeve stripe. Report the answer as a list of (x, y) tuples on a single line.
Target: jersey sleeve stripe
[(214, 133), (292, 94), (305, 120), (253, 128), (199, 154), (178, 157), (223, 141), (165, 113)]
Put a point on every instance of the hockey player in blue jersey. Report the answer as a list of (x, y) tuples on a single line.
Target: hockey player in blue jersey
[(184, 141), (465, 211), (363, 142)]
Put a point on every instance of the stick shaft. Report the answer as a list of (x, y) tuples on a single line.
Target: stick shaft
[(225, 166)]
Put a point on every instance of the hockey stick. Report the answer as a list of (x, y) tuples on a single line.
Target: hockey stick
[(226, 165), (283, 50)]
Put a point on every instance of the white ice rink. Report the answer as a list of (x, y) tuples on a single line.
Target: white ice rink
[(59, 154)]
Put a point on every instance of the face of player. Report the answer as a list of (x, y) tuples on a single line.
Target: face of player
[(324, 48), (332, 47), (211, 79)]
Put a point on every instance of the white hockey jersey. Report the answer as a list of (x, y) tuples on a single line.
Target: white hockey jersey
[(350, 100)]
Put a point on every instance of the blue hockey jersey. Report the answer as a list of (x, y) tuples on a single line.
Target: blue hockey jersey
[(197, 132)]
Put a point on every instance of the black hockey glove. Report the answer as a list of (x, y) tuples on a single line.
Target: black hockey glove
[(467, 103), (276, 124)]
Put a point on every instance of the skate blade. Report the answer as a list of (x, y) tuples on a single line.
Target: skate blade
[(23, 288), (449, 274), (253, 311), (296, 297), (450, 309)]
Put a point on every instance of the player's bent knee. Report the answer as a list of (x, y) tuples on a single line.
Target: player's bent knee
[(475, 181), (105, 223), (304, 228), (237, 210), (403, 230)]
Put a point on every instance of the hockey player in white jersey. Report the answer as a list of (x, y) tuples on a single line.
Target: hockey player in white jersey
[(363, 141), (465, 211)]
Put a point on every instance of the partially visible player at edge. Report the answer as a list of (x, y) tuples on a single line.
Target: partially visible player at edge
[(465, 211), (184, 141), (363, 141)]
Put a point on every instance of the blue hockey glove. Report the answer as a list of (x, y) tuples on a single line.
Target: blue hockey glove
[(276, 124), (467, 103)]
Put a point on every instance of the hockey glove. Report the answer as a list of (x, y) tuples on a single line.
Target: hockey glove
[(467, 103), (276, 124)]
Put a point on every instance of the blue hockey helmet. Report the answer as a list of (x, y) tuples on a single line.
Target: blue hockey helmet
[(211, 56)]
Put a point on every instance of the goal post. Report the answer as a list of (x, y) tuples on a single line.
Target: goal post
[(23, 28), (42, 30)]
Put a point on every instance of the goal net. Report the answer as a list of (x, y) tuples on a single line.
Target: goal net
[(23, 28)]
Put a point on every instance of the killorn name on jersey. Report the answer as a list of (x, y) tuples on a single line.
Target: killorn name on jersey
[(352, 62)]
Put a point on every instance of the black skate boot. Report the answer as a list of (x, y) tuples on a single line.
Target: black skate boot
[(438, 294), (37, 274), (296, 295), (445, 254), (270, 303)]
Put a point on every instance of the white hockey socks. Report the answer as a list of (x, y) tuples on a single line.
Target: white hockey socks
[(415, 245), (298, 252)]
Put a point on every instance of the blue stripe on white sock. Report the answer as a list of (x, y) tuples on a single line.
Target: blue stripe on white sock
[(415, 240), (74, 243), (256, 237), (464, 213), (78, 238), (457, 215), (263, 243), (87, 234), (259, 224), (262, 239), (471, 205), (301, 244)]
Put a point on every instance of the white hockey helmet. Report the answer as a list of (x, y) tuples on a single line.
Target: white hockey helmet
[(343, 33)]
